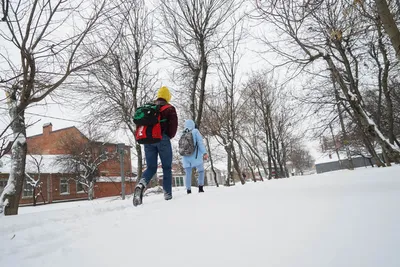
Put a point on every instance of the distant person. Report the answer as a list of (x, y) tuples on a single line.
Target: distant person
[(169, 125), (193, 152)]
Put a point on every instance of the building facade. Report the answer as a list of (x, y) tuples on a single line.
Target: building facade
[(58, 184)]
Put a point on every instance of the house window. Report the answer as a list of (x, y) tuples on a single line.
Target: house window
[(28, 189), (64, 186), (79, 187), (178, 181), (3, 183), (104, 153)]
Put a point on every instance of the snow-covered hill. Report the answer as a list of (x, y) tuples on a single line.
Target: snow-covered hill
[(345, 218)]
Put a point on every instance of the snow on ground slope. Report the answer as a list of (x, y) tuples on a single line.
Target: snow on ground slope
[(344, 218)]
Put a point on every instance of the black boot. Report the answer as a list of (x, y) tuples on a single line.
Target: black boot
[(167, 196), (201, 189), (138, 195), (189, 191)]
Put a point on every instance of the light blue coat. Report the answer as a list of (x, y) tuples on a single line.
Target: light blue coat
[(192, 161)]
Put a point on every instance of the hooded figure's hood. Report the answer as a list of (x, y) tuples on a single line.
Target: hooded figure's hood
[(189, 124)]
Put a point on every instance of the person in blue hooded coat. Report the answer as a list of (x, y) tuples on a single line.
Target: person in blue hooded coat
[(196, 159)]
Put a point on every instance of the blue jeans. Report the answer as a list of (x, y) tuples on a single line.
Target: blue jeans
[(164, 150), (188, 177)]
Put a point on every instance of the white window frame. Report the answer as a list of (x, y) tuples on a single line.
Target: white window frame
[(67, 183), (24, 189), (81, 191), (179, 181), (4, 182)]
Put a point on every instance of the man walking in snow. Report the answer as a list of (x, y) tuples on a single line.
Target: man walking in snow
[(195, 159), (169, 126)]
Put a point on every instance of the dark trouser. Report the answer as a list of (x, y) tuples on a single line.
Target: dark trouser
[(164, 150)]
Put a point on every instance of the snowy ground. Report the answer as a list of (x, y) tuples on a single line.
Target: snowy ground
[(328, 220)]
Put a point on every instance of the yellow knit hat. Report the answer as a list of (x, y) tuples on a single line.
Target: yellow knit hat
[(164, 94)]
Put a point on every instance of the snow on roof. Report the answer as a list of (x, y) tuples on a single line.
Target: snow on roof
[(48, 164), (330, 157), (114, 179)]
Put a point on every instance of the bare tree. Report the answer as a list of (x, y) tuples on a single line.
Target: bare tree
[(389, 24), (248, 161), (229, 60), (330, 33), (262, 94), (35, 183), (255, 154), (300, 158), (211, 161), (49, 51), (122, 81), (5, 144), (83, 158), (193, 30)]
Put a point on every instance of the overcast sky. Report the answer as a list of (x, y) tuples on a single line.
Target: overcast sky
[(63, 115)]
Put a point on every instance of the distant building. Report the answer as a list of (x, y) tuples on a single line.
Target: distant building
[(330, 162), (58, 184)]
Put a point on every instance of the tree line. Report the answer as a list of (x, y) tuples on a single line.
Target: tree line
[(345, 52)]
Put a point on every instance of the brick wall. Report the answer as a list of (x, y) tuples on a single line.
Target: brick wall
[(109, 189), (49, 143), (112, 167), (51, 189), (56, 189)]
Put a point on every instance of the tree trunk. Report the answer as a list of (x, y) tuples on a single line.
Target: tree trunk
[(9, 200), (271, 149), (203, 78), (229, 165), (259, 173), (278, 157), (284, 157), (253, 175), (370, 162), (195, 80), (389, 24), (247, 161), (269, 165), (344, 132), (236, 164), (41, 194), (34, 196), (336, 149), (257, 155), (386, 158), (361, 116), (91, 190), (211, 162), (275, 147), (371, 150), (385, 88)]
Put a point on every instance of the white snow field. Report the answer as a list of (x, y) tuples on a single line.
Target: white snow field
[(337, 219)]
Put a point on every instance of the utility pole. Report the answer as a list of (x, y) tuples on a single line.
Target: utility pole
[(121, 151)]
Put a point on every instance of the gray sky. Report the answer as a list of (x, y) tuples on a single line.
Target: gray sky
[(64, 115)]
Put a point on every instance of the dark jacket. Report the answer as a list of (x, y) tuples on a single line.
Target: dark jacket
[(170, 126)]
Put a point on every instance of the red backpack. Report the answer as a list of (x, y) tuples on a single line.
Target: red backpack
[(148, 123)]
